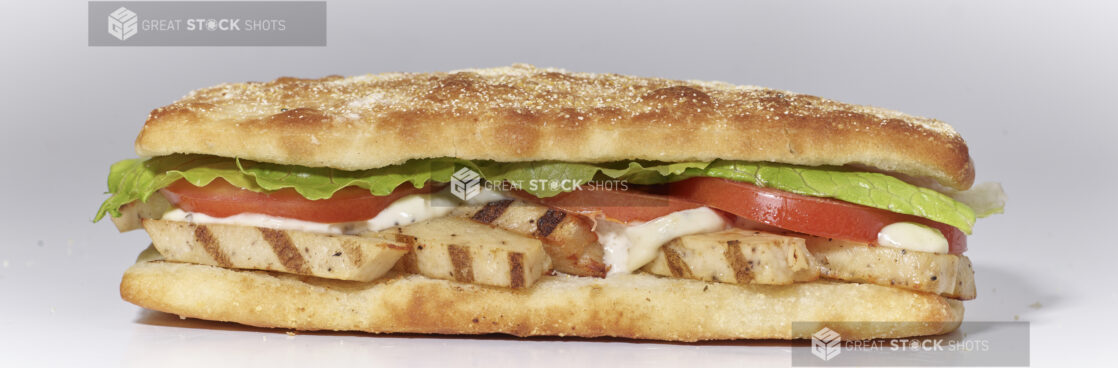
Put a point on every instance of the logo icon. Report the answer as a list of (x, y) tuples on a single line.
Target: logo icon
[(122, 23), (825, 344), (465, 184)]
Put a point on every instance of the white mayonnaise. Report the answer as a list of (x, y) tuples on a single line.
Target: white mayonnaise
[(629, 247), (419, 207), (404, 211), (913, 236), (259, 220)]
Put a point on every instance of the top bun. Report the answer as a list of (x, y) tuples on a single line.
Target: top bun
[(524, 113)]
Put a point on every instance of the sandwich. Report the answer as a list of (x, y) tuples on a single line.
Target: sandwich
[(529, 201)]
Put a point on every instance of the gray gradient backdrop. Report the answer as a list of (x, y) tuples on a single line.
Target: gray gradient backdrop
[(1030, 85)]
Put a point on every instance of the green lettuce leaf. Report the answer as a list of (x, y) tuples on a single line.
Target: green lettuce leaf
[(136, 179), (548, 178), (321, 182), (985, 199)]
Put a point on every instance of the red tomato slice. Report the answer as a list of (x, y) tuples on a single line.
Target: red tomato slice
[(823, 217), (618, 205), (221, 199)]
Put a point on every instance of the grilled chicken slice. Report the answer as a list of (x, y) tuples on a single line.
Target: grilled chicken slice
[(567, 238), (949, 275), (343, 257), (453, 248), (132, 214), (736, 256)]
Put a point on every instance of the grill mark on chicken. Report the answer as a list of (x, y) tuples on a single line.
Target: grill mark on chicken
[(285, 250), (516, 270), (463, 266), (492, 211), (408, 263), (353, 252), (676, 264), (743, 270), (407, 240), (203, 236), (548, 222), (568, 239)]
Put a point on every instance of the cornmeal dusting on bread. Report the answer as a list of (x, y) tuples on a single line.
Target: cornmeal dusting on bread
[(523, 113)]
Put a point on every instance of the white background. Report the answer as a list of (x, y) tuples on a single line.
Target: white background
[(1030, 86)]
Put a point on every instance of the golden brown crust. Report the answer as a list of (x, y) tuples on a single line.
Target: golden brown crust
[(523, 113), (632, 306)]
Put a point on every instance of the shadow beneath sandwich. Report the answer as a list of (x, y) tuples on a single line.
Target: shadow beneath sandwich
[(1007, 294)]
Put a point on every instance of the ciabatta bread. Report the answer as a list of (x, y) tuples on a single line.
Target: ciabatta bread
[(523, 113)]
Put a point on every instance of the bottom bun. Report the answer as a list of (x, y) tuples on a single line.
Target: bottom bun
[(635, 306)]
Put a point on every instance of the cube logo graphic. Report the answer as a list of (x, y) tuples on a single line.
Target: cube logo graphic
[(465, 184), (825, 344), (122, 23)]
